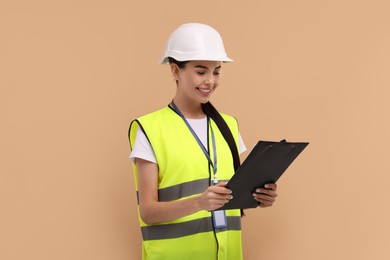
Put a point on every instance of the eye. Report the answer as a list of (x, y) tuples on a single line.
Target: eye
[(200, 72), (217, 72)]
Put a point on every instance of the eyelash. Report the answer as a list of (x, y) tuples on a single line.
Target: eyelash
[(202, 73)]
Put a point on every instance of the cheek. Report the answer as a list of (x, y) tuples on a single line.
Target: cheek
[(190, 81), (217, 81), (197, 81)]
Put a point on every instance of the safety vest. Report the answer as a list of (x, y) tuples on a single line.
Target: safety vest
[(184, 171)]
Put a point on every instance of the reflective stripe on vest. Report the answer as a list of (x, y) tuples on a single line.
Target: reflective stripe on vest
[(183, 229), (182, 190), (174, 144)]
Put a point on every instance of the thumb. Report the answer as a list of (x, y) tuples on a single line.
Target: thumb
[(221, 188), (221, 184)]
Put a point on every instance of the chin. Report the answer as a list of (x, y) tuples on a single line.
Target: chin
[(204, 100)]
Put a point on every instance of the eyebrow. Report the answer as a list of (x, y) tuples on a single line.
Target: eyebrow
[(204, 67)]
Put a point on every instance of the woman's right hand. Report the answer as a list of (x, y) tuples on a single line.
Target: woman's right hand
[(215, 197)]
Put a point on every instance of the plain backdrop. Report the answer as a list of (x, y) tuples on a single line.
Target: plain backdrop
[(73, 74)]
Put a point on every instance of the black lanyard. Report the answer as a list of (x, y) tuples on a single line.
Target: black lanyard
[(214, 165)]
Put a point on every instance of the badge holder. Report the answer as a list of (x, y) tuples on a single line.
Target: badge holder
[(219, 219)]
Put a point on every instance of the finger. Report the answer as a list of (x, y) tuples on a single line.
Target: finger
[(271, 193), (222, 201), (214, 193), (263, 198), (218, 203), (264, 203), (221, 184), (219, 190), (225, 198), (271, 186)]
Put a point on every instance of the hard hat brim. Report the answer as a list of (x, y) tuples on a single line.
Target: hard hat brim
[(165, 60)]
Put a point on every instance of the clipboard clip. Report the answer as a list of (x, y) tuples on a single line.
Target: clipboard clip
[(284, 141)]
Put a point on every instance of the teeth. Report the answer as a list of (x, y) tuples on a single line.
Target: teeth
[(205, 90)]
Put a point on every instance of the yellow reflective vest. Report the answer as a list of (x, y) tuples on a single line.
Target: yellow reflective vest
[(184, 171)]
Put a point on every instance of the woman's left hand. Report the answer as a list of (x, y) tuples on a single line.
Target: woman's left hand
[(266, 196)]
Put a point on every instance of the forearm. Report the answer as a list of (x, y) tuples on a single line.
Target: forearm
[(153, 212)]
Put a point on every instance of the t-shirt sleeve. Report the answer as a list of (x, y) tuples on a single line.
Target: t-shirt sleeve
[(142, 148), (241, 144)]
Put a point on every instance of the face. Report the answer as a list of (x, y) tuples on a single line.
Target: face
[(197, 80)]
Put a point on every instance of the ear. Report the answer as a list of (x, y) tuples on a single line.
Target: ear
[(175, 70)]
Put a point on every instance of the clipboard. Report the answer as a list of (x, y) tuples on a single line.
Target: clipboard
[(266, 163)]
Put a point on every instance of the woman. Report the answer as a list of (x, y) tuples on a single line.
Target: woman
[(184, 154)]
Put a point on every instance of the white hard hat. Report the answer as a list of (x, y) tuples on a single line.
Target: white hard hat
[(195, 41)]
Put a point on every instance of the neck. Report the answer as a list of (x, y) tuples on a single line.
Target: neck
[(189, 110)]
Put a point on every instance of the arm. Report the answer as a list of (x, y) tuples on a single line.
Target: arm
[(153, 211)]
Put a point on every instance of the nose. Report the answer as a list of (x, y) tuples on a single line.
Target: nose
[(209, 81)]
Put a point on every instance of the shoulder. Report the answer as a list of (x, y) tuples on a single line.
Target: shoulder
[(147, 121), (159, 119), (229, 119), (154, 117), (157, 113)]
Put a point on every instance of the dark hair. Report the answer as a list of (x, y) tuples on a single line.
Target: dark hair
[(180, 64)]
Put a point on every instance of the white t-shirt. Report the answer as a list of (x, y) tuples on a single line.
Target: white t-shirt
[(143, 150)]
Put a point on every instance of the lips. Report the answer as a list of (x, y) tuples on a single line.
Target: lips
[(205, 90)]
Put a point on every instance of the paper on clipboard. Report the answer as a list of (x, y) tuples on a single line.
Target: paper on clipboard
[(266, 163)]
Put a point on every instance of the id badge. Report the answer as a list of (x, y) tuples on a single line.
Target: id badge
[(219, 219)]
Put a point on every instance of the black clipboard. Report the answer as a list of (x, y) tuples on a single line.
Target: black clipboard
[(266, 163)]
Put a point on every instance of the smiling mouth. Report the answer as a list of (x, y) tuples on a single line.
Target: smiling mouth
[(204, 90)]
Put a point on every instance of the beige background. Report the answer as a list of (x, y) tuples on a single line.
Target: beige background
[(74, 73)]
